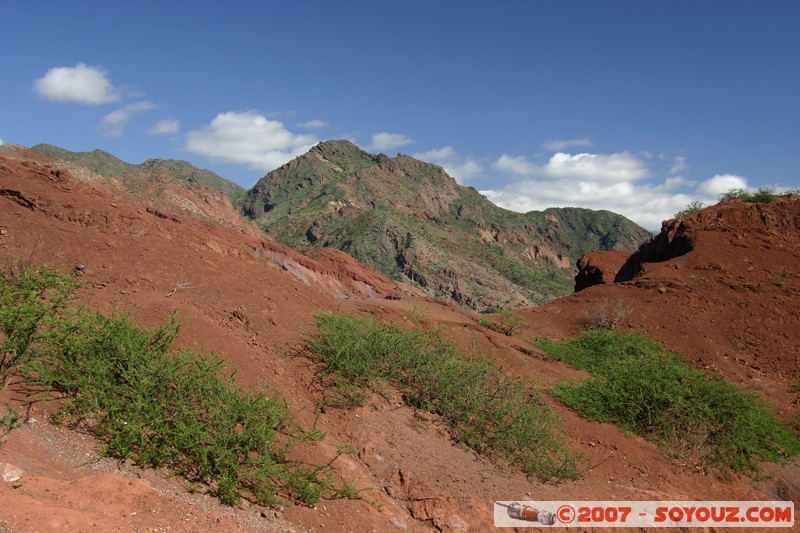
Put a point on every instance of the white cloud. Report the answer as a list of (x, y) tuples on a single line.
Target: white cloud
[(615, 182), (1, 142), (676, 181), (462, 172), (713, 187), (167, 126), (646, 204), (678, 165), (559, 145), (594, 167), (459, 167), (248, 138), (313, 124), (113, 124), (386, 141), (436, 155), (82, 84), (601, 167), (516, 165)]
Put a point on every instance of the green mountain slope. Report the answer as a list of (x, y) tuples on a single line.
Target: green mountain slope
[(106, 164), (410, 220)]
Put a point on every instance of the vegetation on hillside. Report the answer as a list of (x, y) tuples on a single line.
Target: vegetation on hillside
[(106, 164), (411, 221), (761, 196), (647, 390), (485, 407), (148, 403)]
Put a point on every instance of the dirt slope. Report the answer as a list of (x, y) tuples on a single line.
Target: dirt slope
[(251, 301), (721, 286), (150, 183)]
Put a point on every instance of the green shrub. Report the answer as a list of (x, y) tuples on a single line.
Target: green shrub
[(31, 303), (487, 409), (693, 207), (762, 195), (654, 393), (181, 410), (736, 194), (126, 385), (9, 419)]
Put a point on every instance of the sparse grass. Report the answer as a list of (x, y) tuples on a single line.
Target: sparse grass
[(417, 314), (159, 408), (342, 393), (350, 490), (504, 322), (486, 409), (781, 275), (645, 389)]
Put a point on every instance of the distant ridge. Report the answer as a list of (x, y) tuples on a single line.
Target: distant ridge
[(106, 164)]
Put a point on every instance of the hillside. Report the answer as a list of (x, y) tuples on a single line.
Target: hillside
[(108, 165), (721, 286), (253, 301), (411, 221), (167, 186), (727, 278)]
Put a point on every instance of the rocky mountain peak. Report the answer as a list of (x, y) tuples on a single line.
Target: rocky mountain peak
[(411, 221)]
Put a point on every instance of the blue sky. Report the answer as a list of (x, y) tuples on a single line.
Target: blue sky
[(634, 106)]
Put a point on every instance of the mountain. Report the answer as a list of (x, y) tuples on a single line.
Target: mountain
[(411, 221), (106, 164), (403, 217)]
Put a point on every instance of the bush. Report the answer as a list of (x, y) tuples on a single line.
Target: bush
[(126, 385), (181, 411), (654, 393), (503, 322), (691, 208), (31, 304), (9, 420), (762, 195), (607, 315), (487, 409)]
